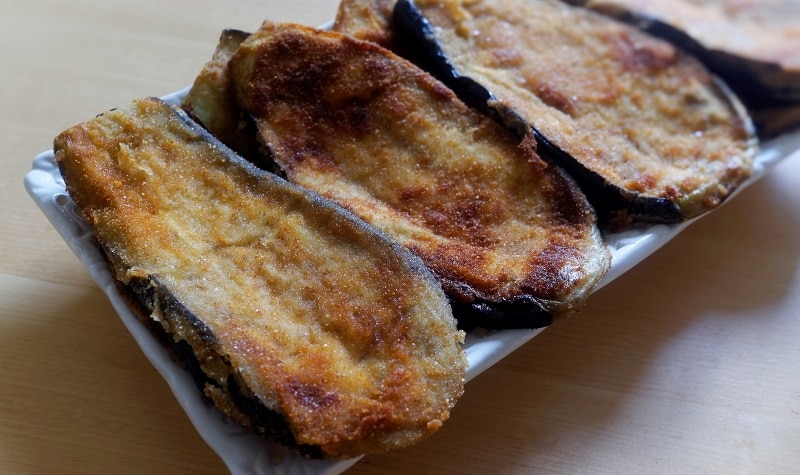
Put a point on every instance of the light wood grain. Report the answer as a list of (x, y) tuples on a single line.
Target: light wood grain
[(687, 364)]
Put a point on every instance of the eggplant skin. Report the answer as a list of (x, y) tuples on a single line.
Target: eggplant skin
[(295, 318), (498, 225), (649, 134), (773, 121)]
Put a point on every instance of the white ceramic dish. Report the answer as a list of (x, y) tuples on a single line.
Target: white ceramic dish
[(242, 452)]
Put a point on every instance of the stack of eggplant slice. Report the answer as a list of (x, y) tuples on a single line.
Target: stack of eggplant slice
[(648, 132), (511, 238)]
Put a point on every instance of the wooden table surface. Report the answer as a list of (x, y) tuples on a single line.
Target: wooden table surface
[(689, 363)]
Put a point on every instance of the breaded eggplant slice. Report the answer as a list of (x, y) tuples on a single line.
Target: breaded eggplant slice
[(510, 237), (297, 319), (646, 130)]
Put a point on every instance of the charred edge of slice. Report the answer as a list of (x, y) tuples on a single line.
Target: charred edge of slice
[(160, 311), (152, 298), (613, 205), (615, 208)]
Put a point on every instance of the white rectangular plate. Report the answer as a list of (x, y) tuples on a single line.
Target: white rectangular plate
[(245, 453)]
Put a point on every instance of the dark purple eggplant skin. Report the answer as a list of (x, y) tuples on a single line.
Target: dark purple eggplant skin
[(420, 46), (522, 313), (146, 295), (417, 42)]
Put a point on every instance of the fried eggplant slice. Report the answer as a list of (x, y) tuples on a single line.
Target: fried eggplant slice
[(510, 237), (646, 130), (297, 319)]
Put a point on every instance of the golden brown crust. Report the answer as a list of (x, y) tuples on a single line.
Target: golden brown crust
[(359, 125), (295, 312), (630, 108)]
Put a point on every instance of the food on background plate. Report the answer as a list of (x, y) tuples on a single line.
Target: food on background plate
[(509, 235), (753, 46), (646, 130), (297, 319)]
